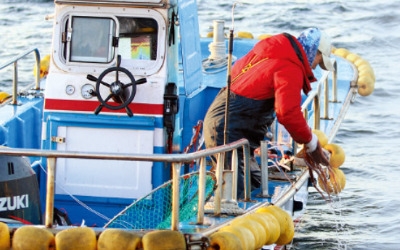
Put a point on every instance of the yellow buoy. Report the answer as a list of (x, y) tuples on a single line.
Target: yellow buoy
[(366, 85), (352, 57), (32, 238), (44, 66), (336, 182), (4, 236), (273, 227), (263, 36), (285, 223), (263, 220), (244, 34), (360, 61), (255, 227), (342, 52), (76, 238), (210, 34), (245, 236), (4, 96), (164, 239), (322, 138), (224, 240), (113, 239), (337, 155), (367, 69)]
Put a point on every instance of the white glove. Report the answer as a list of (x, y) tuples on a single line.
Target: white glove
[(312, 145)]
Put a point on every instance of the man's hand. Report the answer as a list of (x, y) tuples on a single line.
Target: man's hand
[(319, 156), (315, 151)]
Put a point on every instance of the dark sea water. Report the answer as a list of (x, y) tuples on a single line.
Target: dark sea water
[(366, 214)]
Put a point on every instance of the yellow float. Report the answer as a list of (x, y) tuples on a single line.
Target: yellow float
[(164, 239), (245, 236), (255, 227), (113, 239), (224, 240), (275, 228), (4, 97), (244, 34), (285, 223), (337, 155), (352, 57), (366, 75), (342, 52), (336, 182), (44, 67), (263, 36), (33, 238), (322, 138), (365, 85), (76, 238), (263, 220), (4, 237)]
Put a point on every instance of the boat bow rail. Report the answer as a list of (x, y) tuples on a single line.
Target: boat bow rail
[(14, 61), (176, 161)]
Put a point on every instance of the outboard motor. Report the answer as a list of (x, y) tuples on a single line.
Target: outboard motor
[(19, 191)]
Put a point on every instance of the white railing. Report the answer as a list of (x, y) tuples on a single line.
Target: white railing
[(14, 62), (176, 161)]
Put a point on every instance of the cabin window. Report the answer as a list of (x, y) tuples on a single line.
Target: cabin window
[(92, 39), (89, 40), (138, 38)]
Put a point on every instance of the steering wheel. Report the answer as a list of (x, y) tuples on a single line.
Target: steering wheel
[(120, 93)]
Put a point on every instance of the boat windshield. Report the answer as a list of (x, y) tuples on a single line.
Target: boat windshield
[(93, 39), (138, 38)]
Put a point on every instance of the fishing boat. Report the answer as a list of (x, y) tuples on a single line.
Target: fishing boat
[(105, 147)]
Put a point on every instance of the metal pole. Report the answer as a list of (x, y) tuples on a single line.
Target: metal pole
[(15, 84), (202, 188), (218, 190), (235, 174), (334, 83), (264, 169), (176, 167), (228, 85), (247, 173), (51, 163)]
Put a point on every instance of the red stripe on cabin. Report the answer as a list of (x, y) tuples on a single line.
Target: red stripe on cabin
[(90, 106)]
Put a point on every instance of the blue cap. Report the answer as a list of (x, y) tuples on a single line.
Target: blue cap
[(309, 39)]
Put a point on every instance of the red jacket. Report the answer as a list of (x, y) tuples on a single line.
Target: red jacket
[(273, 70)]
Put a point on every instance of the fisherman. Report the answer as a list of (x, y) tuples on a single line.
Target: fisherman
[(265, 83)]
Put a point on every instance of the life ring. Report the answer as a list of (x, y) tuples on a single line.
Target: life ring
[(33, 238), (113, 239), (76, 238), (164, 239)]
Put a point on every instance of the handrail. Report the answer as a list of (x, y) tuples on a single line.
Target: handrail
[(314, 97), (175, 159), (14, 61)]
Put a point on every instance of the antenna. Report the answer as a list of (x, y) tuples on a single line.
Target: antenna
[(229, 67)]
